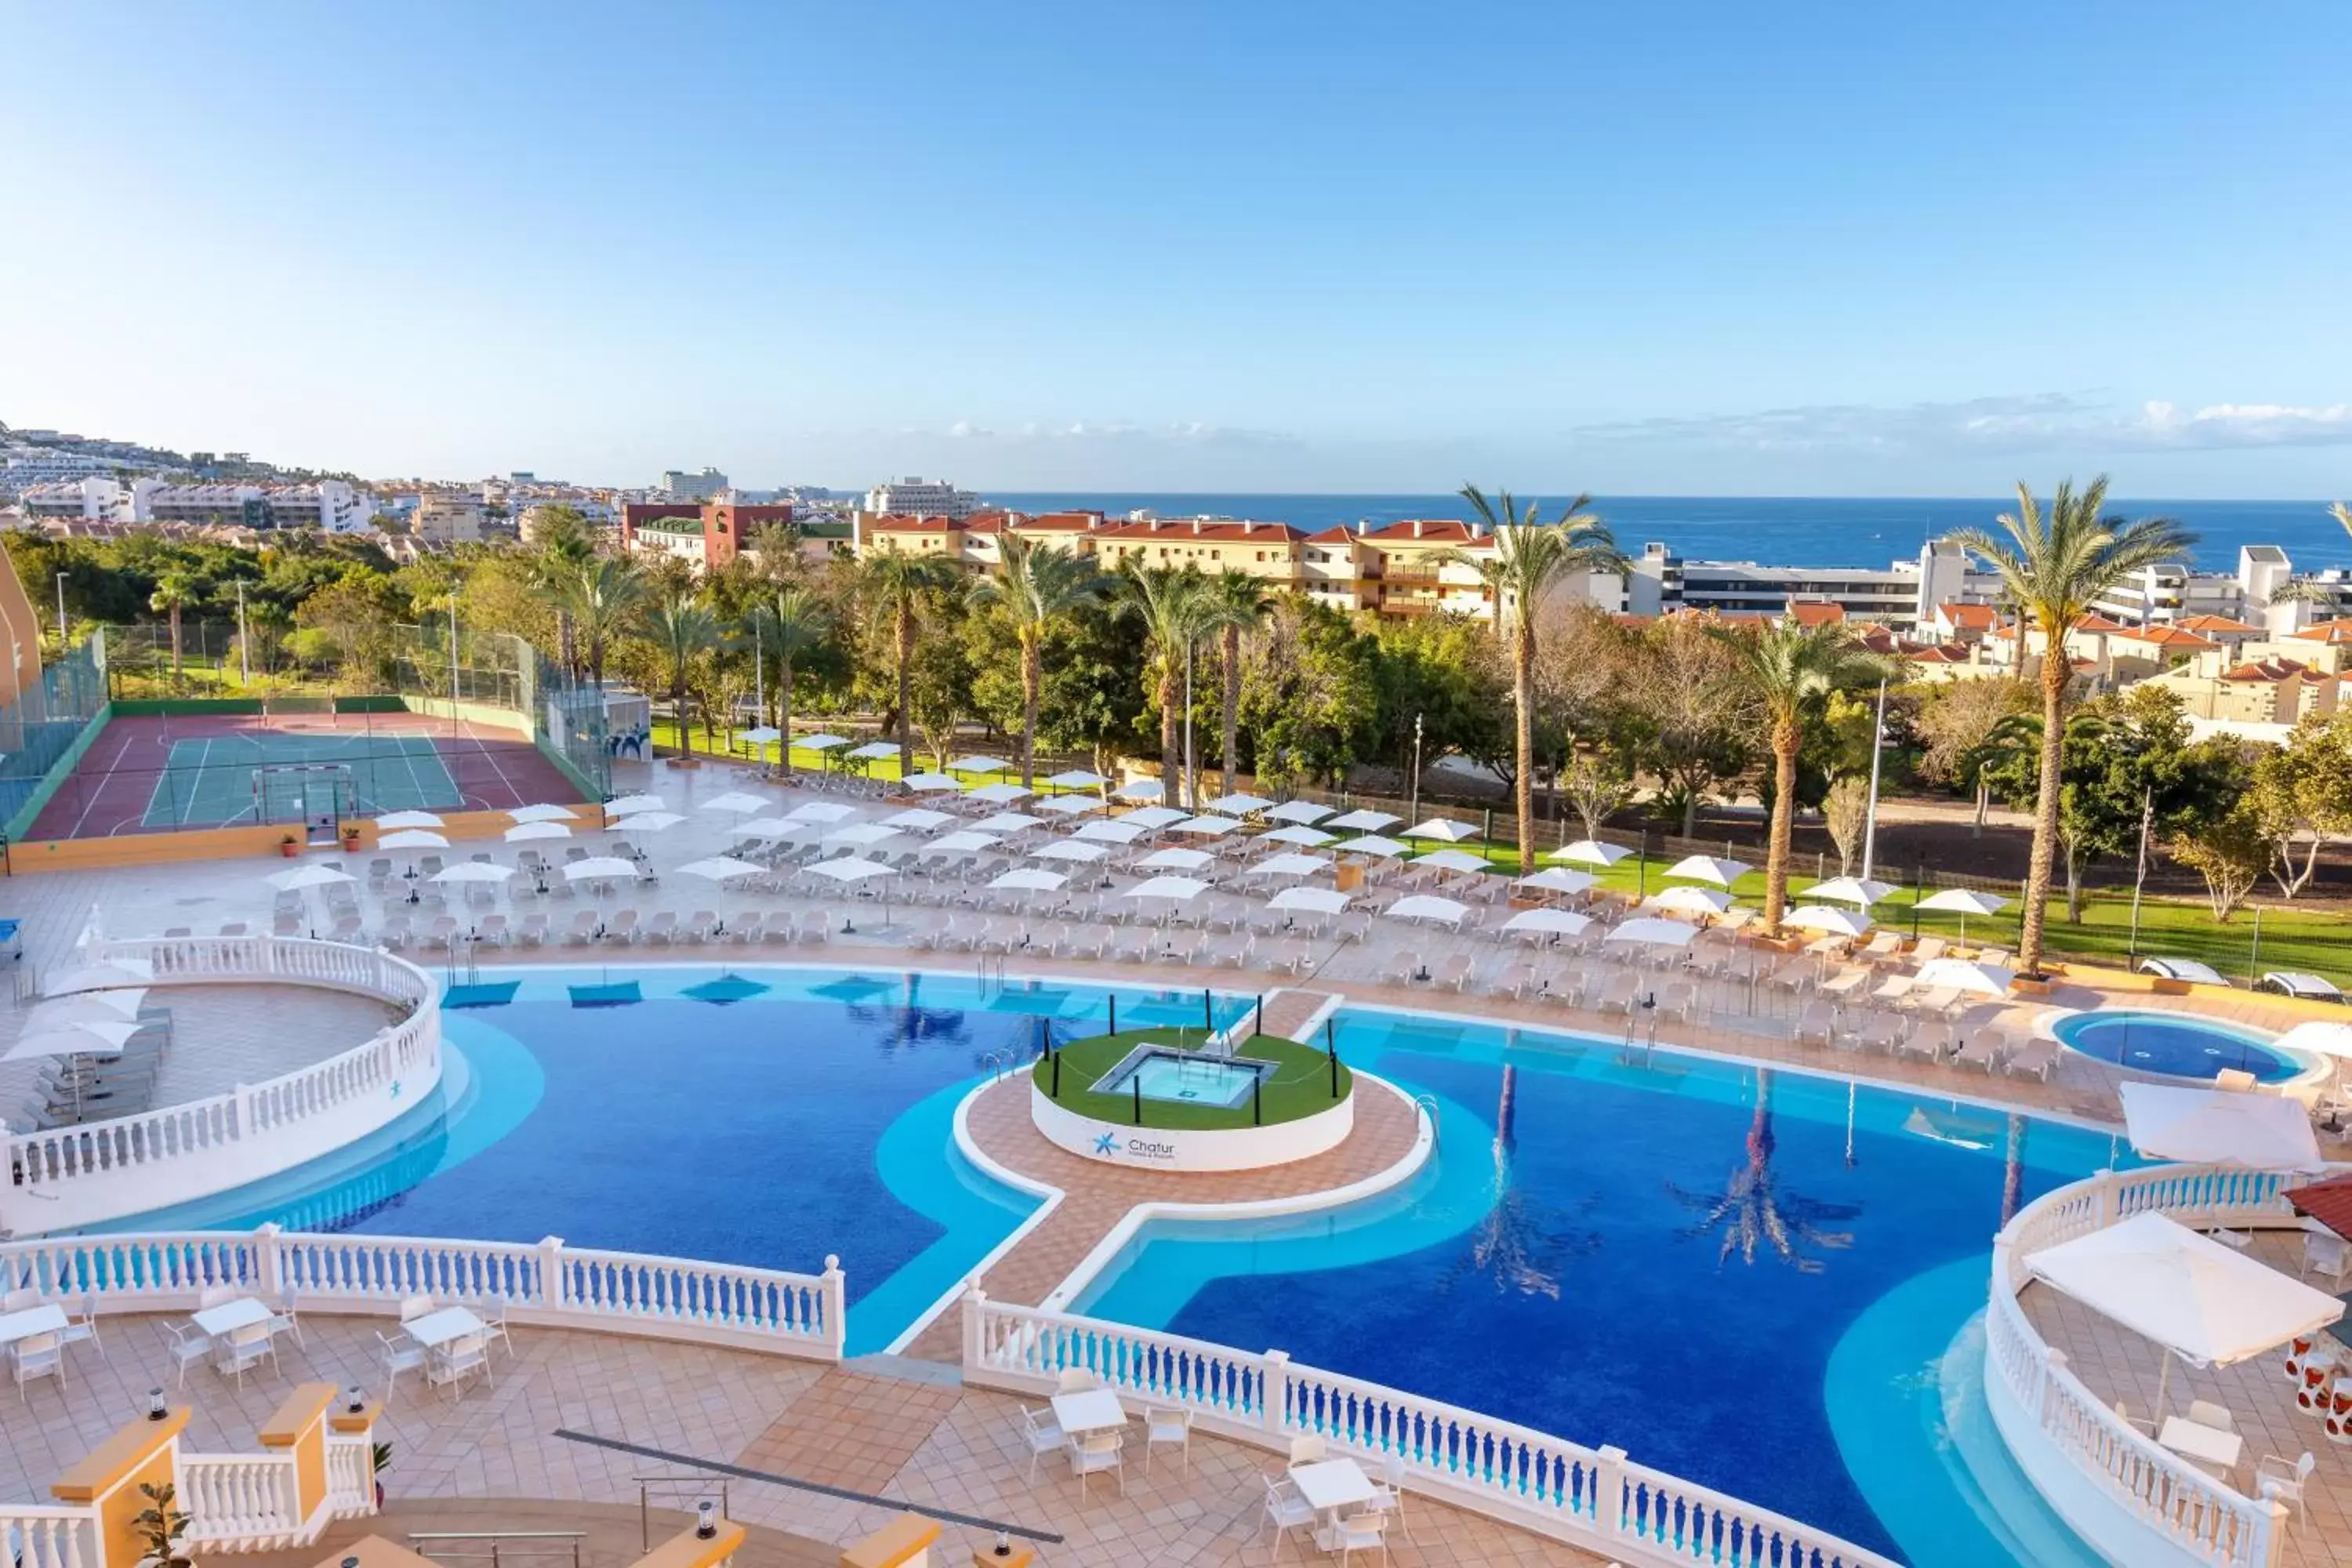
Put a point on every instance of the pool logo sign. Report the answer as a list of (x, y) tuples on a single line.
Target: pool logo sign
[(1107, 1144)]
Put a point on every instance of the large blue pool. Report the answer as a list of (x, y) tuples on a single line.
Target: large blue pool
[(2173, 1044), (1761, 1281)]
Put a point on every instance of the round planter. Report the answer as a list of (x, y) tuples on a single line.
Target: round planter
[(1191, 1148)]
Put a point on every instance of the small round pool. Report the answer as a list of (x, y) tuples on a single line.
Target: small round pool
[(2175, 1044)]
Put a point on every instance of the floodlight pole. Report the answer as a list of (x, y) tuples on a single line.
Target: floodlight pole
[(2139, 878), (1416, 767), (244, 644), (61, 611), (1190, 794), (1877, 745)]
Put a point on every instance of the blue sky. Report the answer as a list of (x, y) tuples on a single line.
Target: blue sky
[(1698, 249)]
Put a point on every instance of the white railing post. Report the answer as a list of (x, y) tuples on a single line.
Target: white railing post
[(1609, 1492), (2103, 1195), (2273, 1533), (975, 1326), (553, 1291), (2052, 1369), (836, 1307), (241, 1095), (265, 1251), (1274, 1391)]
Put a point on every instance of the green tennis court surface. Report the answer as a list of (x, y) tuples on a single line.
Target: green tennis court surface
[(210, 782)]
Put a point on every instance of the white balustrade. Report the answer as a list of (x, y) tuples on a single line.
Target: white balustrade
[(350, 1474), (251, 1500), (1594, 1498), (70, 1177), (35, 1535)]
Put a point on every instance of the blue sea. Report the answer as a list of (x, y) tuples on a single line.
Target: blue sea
[(1778, 530)]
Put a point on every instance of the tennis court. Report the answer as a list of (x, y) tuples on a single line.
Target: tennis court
[(238, 779)]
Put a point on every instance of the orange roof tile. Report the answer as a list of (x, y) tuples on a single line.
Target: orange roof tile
[(2171, 639), (2329, 632), (895, 523), (2222, 624), (1424, 530), (1815, 611), (1336, 534), (1969, 618), (2266, 669)]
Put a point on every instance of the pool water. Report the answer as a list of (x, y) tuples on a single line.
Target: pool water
[(2174, 1045), (1187, 1079)]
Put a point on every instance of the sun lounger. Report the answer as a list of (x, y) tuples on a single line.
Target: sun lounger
[(1818, 1021), (1881, 1032), (1617, 992), (1454, 973), (1929, 949), (1927, 1041), (1845, 983), (622, 928), (1985, 1050), (2035, 1059), (697, 926), (660, 928), (533, 930), (744, 930), (581, 931), (1891, 990), (1933, 1003), (1885, 944), (1515, 982)]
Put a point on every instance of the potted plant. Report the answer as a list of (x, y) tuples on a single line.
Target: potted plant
[(351, 838), (289, 846), (161, 1528), (381, 1461)]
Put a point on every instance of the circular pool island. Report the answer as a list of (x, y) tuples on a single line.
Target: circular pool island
[(1143, 1098), (2175, 1044)]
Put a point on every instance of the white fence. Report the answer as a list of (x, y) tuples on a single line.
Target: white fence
[(544, 1282), (48, 1535), (70, 1177), (1594, 1498), (2107, 1478)]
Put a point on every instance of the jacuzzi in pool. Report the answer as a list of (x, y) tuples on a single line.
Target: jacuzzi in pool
[(2174, 1045)]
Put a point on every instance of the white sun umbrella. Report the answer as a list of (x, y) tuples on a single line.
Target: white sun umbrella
[(1007, 822), (1654, 932), (1552, 921), (1827, 922), (105, 1006), (1978, 979), (1238, 803), (1032, 879), (413, 838), (1288, 866), (1176, 887), (1370, 844), (92, 1037), (524, 832), (1068, 849), (719, 868), (772, 827), (964, 843), (862, 833), (931, 784), (849, 868), (999, 794), (1174, 860), (647, 822), (821, 811), (1589, 852), (112, 973), (2319, 1037), (1451, 860), (1849, 891), (1707, 868), (874, 750), (1428, 906), (1208, 823), (393, 820), (1118, 830), (2218, 1127), (815, 743), (1316, 901), (1077, 778), (1298, 811), (625, 804), (917, 819), (599, 868), (1153, 816), (1552, 880), (735, 801), (1691, 901), (542, 812), (761, 735), (1365, 820), (312, 876), (1298, 832), (1443, 828), (1068, 805), (979, 764), (1964, 902), (1142, 789), (472, 872)]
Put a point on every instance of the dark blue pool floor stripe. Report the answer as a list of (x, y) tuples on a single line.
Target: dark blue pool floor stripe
[(721, 1467)]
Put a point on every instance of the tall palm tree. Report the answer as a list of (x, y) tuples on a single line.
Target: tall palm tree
[(2056, 564), (893, 583), (1792, 668), (1040, 585), (564, 544), (175, 591), (1172, 604), (683, 627), (1532, 558), (604, 597), (1238, 603), (793, 623)]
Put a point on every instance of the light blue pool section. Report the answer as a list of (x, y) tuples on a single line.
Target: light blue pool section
[(2175, 1044), (1188, 1080)]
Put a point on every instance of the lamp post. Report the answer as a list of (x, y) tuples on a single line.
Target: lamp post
[(61, 614), (1870, 817), (1190, 794), (1416, 767), (244, 644)]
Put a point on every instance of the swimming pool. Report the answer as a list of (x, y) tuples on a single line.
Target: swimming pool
[(2175, 1044), (1184, 1078)]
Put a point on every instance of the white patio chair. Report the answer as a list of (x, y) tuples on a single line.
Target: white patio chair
[(1388, 1493), (1076, 1380), (285, 1320), (451, 1366), (1308, 1448), (37, 1356), (493, 1315), (1094, 1453), (2275, 1480), (83, 1330), (1285, 1510), (213, 1295), (244, 1349), (415, 1307), (184, 1344), (1166, 1428), (1365, 1532), (1043, 1435), (2327, 1253), (400, 1354)]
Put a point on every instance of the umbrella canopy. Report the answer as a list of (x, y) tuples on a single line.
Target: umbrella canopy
[(917, 819), (393, 820), (1963, 901), (719, 868), (1174, 860), (1451, 860), (979, 764), (599, 868), (1552, 880), (1428, 906), (1208, 823), (1365, 820), (2319, 1037), (761, 735), (735, 801), (1560, 922), (472, 872), (849, 868), (1370, 844), (1827, 922), (89, 1037), (99, 976), (1691, 901), (862, 833), (874, 750), (416, 838), (1068, 849), (312, 876), (1142, 789), (1442, 828), (1653, 933), (1238, 803), (1849, 891), (1007, 822), (524, 832), (542, 812), (821, 811), (1178, 887), (929, 783), (772, 827), (1151, 816), (1318, 901), (1032, 879), (1707, 868), (1077, 778), (621, 807), (999, 794), (2218, 1127), (2205, 1302), (1069, 805), (1298, 832), (647, 822), (105, 1006), (814, 743), (1977, 979), (1589, 852), (1298, 811), (1288, 866), (963, 843), (1116, 831)]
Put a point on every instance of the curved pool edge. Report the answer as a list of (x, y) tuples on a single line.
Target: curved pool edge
[(2308, 1071)]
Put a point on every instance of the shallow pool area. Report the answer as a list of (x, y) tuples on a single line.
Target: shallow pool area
[(1184, 1078), (2174, 1045)]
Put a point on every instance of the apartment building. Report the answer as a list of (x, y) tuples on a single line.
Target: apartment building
[(706, 535), (1901, 596), (92, 497), (446, 517), (703, 486), (922, 497)]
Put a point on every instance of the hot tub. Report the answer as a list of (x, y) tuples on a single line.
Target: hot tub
[(2174, 1045)]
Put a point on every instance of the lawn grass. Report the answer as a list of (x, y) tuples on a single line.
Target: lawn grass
[(1299, 1085)]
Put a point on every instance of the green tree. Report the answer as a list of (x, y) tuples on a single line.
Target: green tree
[(894, 583), (1038, 586), (1237, 604), (564, 545), (604, 597), (682, 626), (174, 592), (2301, 797), (1309, 699), (793, 623), (2230, 852), (1173, 606), (1686, 714), (2055, 566), (1956, 720)]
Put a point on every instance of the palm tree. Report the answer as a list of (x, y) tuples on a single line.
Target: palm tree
[(1039, 585), (1755, 1210), (175, 591), (2055, 566), (1530, 559), (564, 545), (793, 623), (1793, 668), (683, 627), (894, 583), (2310, 590), (603, 596), (1238, 603), (1173, 606)]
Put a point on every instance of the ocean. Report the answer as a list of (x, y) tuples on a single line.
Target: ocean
[(1776, 530)]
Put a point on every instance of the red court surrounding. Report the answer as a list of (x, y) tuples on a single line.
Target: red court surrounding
[(114, 789)]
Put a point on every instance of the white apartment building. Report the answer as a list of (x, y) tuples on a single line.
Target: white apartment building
[(683, 486), (22, 467), (2172, 591), (446, 517), (1900, 597), (91, 498), (922, 497)]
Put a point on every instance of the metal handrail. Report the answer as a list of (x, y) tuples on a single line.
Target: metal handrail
[(696, 1486), (498, 1553)]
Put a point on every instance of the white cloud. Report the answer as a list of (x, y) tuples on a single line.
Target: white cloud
[(1182, 433), (2021, 422)]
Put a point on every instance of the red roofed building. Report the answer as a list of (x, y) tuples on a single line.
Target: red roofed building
[(706, 535), (1815, 612), (2259, 691)]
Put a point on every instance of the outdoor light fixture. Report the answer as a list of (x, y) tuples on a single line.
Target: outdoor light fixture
[(155, 1410), (1003, 1544), (706, 1519), (357, 1401)]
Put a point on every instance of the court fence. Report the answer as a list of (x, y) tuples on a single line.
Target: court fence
[(44, 731)]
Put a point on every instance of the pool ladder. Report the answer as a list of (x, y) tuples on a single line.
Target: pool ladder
[(998, 1064), (1427, 1105)]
